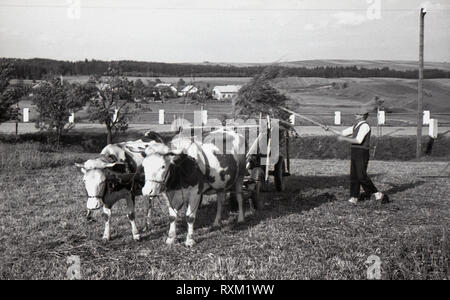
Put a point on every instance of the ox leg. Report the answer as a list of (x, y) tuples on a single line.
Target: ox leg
[(191, 213), (173, 226), (173, 221), (107, 216), (238, 189), (131, 216), (149, 214), (220, 200)]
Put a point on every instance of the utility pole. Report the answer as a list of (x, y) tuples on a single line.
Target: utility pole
[(420, 96)]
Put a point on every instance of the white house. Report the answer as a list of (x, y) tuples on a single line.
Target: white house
[(190, 89), (223, 92), (168, 85)]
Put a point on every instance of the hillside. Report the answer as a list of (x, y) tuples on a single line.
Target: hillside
[(323, 95)]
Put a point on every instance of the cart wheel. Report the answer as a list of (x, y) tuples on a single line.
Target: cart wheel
[(278, 175)]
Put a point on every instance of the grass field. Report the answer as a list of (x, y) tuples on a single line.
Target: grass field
[(308, 232)]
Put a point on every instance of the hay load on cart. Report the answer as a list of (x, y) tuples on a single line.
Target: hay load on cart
[(260, 100)]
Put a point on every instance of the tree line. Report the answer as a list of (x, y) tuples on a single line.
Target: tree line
[(37, 68)]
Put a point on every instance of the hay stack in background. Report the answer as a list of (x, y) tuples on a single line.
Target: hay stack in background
[(259, 96)]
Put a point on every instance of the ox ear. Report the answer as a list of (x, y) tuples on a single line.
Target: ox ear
[(81, 167), (117, 166), (176, 159)]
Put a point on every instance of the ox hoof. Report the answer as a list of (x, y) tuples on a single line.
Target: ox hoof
[(170, 241), (189, 242), (136, 237), (106, 238)]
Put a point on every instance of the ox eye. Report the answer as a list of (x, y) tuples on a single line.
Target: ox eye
[(163, 167)]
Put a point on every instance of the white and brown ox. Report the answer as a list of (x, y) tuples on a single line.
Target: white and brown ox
[(114, 175), (185, 170)]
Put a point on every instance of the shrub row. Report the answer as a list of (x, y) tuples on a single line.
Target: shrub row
[(310, 147)]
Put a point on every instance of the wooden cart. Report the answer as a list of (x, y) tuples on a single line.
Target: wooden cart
[(260, 167)]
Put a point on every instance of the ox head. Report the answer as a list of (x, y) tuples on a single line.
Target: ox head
[(157, 165), (95, 174)]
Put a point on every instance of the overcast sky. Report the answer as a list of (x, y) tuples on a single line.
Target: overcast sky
[(223, 31)]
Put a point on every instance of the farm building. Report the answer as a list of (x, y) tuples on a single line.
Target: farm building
[(167, 85), (188, 90), (225, 91)]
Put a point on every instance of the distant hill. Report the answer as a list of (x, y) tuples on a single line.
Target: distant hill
[(38, 68), (398, 65), (368, 64)]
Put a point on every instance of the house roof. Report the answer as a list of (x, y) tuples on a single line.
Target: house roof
[(189, 88), (227, 88)]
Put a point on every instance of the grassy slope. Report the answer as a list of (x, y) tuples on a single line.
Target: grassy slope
[(399, 94), (309, 231)]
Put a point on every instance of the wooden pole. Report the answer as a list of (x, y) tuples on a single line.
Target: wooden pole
[(269, 146), (420, 88)]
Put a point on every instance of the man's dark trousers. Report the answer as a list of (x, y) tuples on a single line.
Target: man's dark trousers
[(358, 173)]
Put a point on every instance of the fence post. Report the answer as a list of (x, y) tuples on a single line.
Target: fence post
[(26, 115), (433, 129), (72, 118), (204, 117), (426, 117), (337, 118), (381, 116), (116, 114), (292, 119), (161, 117)]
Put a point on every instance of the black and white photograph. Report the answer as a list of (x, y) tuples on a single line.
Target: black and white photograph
[(226, 147)]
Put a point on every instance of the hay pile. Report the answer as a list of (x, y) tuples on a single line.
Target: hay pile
[(259, 96)]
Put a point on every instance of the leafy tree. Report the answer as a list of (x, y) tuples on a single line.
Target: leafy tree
[(138, 89), (9, 95), (108, 105), (181, 83), (55, 101)]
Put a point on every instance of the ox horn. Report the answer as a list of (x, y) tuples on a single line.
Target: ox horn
[(78, 165), (110, 165)]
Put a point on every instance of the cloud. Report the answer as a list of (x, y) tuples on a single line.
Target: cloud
[(349, 18), (430, 5), (317, 26)]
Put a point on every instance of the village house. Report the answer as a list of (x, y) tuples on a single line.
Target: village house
[(223, 92), (170, 86), (188, 90)]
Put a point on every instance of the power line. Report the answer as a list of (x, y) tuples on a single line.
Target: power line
[(214, 8)]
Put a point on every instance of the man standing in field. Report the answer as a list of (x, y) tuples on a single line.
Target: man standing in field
[(359, 137)]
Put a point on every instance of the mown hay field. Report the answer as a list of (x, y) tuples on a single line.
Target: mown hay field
[(309, 231)]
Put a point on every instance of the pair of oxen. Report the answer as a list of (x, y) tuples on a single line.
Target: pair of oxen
[(180, 171)]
